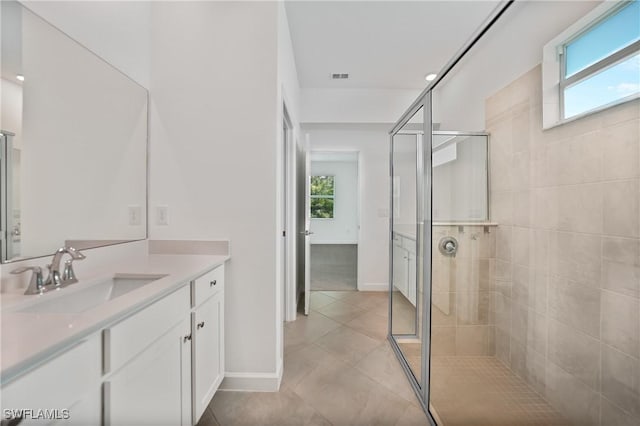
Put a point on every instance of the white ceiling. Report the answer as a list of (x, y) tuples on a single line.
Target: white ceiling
[(381, 44)]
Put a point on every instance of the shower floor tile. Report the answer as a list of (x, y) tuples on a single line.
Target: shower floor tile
[(482, 391)]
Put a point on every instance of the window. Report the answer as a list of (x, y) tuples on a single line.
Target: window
[(597, 63), (601, 66), (322, 197)]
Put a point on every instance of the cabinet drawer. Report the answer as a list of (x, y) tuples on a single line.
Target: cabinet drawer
[(132, 335), (59, 384), (207, 285)]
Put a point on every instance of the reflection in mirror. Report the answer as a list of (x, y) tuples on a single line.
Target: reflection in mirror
[(74, 142), (405, 306)]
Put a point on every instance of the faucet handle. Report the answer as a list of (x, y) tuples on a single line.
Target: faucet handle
[(75, 254), (68, 276), (36, 283)]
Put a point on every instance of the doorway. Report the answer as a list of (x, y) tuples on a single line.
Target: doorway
[(334, 220)]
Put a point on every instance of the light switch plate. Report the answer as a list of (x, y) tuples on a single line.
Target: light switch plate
[(162, 215), (134, 215)]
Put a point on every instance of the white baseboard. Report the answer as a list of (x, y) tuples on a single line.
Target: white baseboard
[(252, 382), (373, 287)]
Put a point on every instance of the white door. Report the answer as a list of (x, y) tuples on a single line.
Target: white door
[(307, 226)]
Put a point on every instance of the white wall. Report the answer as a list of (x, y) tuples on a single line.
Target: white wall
[(118, 31), (214, 64), (372, 141), (288, 97), (343, 227), (355, 105)]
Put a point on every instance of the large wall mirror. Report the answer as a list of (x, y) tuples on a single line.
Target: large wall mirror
[(74, 143)]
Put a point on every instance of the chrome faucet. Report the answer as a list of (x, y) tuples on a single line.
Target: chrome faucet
[(68, 276), (37, 285)]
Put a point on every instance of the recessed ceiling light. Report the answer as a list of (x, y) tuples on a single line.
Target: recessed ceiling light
[(20, 77), (430, 77)]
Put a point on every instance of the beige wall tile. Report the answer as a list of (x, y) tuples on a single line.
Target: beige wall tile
[(520, 246), (622, 208), (621, 322), (502, 311), (575, 352), (472, 308), (621, 113), (545, 208), (503, 346), (621, 265), (443, 311), (520, 127), (574, 399), (576, 257), (502, 207), (529, 328), (575, 305), (621, 380), (580, 208), (520, 176), (539, 251), (520, 288), (612, 415), (574, 160), (522, 208), (620, 153), (443, 341), (504, 242)]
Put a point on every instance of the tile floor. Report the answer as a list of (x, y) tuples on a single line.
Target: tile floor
[(338, 370)]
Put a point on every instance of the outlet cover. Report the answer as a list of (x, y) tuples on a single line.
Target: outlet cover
[(135, 213), (162, 215)]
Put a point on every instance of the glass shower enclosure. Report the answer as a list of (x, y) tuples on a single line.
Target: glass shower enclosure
[(439, 229), (514, 244)]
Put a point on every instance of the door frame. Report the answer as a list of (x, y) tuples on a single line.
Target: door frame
[(288, 265), (358, 162)]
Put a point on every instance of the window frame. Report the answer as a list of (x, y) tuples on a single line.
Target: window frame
[(333, 197), (554, 79)]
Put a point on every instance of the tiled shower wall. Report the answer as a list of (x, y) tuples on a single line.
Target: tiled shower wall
[(462, 292), (567, 273)]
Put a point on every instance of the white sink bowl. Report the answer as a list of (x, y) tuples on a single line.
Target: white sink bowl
[(81, 297)]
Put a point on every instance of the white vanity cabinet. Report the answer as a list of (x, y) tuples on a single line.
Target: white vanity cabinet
[(147, 365), (67, 385), (208, 338), (161, 364), (404, 266)]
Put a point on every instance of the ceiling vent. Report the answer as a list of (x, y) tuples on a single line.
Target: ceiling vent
[(339, 76)]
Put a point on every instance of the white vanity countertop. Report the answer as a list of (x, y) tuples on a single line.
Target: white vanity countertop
[(28, 338)]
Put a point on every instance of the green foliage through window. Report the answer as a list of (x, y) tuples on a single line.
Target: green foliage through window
[(322, 197)]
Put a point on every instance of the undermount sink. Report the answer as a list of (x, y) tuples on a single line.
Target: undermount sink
[(82, 297)]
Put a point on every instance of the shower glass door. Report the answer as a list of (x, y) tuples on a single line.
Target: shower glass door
[(409, 256)]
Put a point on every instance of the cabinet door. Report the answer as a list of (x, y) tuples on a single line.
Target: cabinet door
[(150, 388), (400, 268), (208, 352), (66, 386)]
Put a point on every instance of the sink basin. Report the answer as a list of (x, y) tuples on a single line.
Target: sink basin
[(81, 297)]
